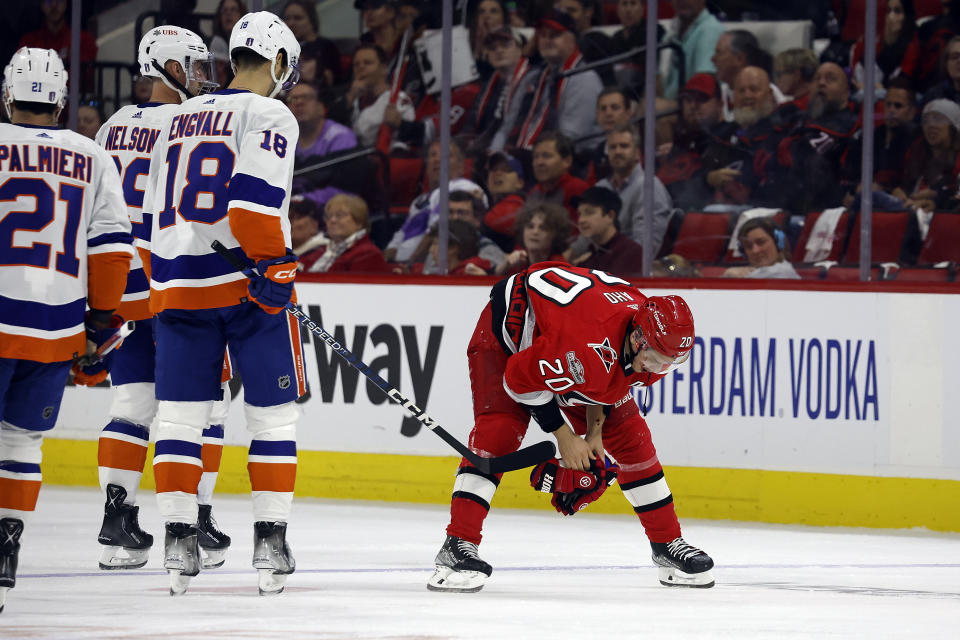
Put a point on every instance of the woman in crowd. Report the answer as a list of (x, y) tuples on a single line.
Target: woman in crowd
[(949, 86), (897, 47), (542, 232), (346, 246), (930, 171), (224, 18), (301, 17), (767, 251)]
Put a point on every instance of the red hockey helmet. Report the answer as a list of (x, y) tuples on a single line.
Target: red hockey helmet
[(666, 326)]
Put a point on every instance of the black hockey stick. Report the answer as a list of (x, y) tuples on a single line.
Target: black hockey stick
[(526, 457)]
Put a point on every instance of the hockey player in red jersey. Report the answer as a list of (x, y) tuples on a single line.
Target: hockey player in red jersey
[(556, 343), (66, 247)]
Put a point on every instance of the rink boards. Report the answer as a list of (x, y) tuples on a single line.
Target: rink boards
[(827, 407)]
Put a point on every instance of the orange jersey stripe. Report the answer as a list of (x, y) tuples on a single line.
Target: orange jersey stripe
[(120, 454), (41, 350), (145, 259), (210, 455), (20, 495), (135, 309), (297, 345), (216, 296), (266, 476), (176, 476), (227, 368), (260, 236), (107, 279)]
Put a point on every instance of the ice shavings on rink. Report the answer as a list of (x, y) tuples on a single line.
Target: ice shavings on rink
[(362, 570)]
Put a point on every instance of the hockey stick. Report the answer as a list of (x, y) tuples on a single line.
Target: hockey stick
[(526, 457), (109, 345)]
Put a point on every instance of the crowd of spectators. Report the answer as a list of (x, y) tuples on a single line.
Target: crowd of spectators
[(546, 161)]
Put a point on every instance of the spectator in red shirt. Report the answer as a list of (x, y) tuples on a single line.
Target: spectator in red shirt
[(506, 188), (55, 34), (347, 246), (610, 250), (542, 233), (552, 159)]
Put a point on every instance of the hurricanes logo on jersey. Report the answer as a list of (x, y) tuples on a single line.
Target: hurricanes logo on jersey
[(608, 355)]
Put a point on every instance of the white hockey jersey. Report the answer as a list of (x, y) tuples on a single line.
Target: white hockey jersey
[(129, 137), (221, 170), (65, 240)]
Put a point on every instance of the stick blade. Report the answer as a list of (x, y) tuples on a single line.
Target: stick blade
[(520, 459)]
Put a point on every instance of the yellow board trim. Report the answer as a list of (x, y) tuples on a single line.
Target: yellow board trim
[(787, 497)]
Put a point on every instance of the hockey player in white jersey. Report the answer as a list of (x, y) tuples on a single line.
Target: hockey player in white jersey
[(222, 170), (181, 67), (65, 244)]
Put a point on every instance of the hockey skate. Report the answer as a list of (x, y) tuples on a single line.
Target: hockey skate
[(213, 542), (125, 544), (682, 565), (458, 568), (10, 530), (181, 557), (272, 557)]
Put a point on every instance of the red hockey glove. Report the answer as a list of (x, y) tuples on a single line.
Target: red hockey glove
[(88, 370), (573, 490), (272, 283)]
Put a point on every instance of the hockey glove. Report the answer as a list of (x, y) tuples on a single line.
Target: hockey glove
[(573, 490), (272, 283), (89, 370)]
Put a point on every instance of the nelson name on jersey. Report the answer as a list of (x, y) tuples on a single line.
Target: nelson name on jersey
[(141, 139), (201, 123), (46, 159)]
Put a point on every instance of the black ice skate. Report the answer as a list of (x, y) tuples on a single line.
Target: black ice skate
[(682, 565), (459, 568), (181, 556), (272, 557), (213, 542), (10, 530), (125, 544)]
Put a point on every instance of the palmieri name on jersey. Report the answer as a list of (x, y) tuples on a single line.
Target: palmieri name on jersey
[(46, 159), (202, 123)]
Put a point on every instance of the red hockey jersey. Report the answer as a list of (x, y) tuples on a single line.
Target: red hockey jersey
[(566, 327)]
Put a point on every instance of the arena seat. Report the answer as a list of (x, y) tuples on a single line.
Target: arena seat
[(890, 237), (703, 237), (405, 177), (713, 270), (930, 274), (850, 274), (840, 234), (943, 240)]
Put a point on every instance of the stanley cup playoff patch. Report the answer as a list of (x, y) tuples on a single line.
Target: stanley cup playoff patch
[(575, 367)]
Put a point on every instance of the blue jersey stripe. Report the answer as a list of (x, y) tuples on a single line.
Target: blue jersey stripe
[(253, 189), (177, 448), (141, 230), (19, 467), (209, 265), (128, 428), (213, 431), (37, 315), (110, 238), (273, 448), (137, 281)]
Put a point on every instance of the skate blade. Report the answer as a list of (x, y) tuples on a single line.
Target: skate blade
[(3, 597), (213, 558), (270, 583), (670, 577), (113, 558), (446, 579), (178, 582)]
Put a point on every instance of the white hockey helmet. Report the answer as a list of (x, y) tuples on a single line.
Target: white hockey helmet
[(34, 75), (266, 35), (164, 43)]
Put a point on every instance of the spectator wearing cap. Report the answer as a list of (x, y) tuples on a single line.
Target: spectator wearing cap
[(504, 49), (598, 210), (370, 93), (933, 161), (346, 246), (626, 180), (465, 207), (319, 136), (698, 31), (793, 72), (767, 251), (680, 165), (550, 102), (737, 49), (301, 17), (505, 184), (552, 159)]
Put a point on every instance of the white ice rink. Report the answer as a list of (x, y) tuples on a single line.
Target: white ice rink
[(362, 569)]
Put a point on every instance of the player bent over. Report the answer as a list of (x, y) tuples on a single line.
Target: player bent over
[(222, 170), (558, 340), (181, 67), (70, 247)]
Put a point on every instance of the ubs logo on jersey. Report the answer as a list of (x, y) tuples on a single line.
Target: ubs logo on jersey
[(608, 355), (575, 367)]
